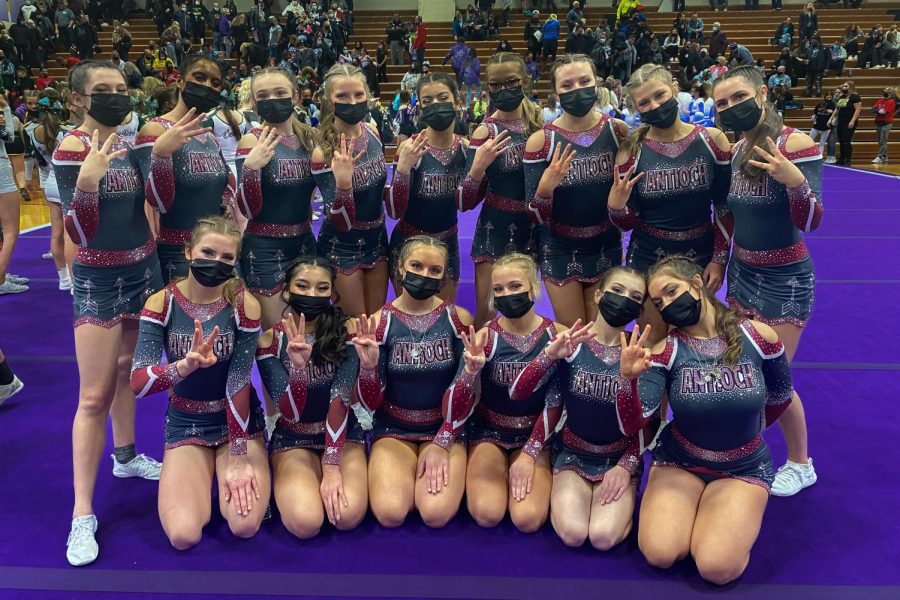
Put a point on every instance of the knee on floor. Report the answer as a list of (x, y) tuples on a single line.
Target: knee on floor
[(183, 537), (718, 569), (530, 520), (437, 517), (389, 514), (658, 554), (243, 527), (301, 525), (572, 534), (486, 514), (605, 538)]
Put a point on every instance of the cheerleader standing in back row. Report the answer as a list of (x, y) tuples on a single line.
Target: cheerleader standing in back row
[(509, 459), (596, 469), (422, 196), (115, 271), (308, 364), (187, 178), (494, 174), (208, 327), (776, 184), (348, 166), (409, 355), (568, 176), (276, 186)]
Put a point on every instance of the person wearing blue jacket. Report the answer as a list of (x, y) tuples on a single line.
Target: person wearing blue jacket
[(550, 37)]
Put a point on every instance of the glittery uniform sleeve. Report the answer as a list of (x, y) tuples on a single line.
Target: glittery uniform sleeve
[(626, 218), (470, 193), (286, 385), (148, 375), (532, 377), (81, 209), (339, 204), (631, 458), (638, 400), (724, 220), (805, 199), (534, 165), (337, 420), (547, 421), (160, 186), (396, 196), (459, 399), (776, 373), (237, 390), (230, 194), (250, 187)]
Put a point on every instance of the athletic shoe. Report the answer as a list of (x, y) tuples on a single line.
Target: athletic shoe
[(17, 279), (11, 389), (830, 160), (877, 161), (25, 195), (83, 548), (47, 255), (793, 477), (65, 284), (12, 288), (140, 466)]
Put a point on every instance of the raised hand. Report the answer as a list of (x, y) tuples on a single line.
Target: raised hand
[(240, 485), (332, 491), (410, 153), (97, 162), (621, 188), (565, 343), (201, 354), (488, 151), (264, 149), (474, 344), (521, 476), (179, 134), (615, 482), (635, 357), (365, 343), (777, 165), (342, 161), (558, 168), (298, 349)]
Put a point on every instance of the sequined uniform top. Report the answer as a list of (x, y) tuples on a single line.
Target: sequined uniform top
[(112, 218), (319, 394), (413, 385), (588, 382), (223, 386), (537, 411), (715, 407), (669, 208), (193, 183), (426, 198), (280, 193), (505, 177)]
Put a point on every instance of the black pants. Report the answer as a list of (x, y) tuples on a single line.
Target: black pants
[(845, 137)]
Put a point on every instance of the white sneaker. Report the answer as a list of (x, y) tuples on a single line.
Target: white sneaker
[(877, 161), (65, 285), (47, 255), (83, 548), (793, 477), (11, 389), (830, 160), (10, 287), (17, 279), (140, 466)]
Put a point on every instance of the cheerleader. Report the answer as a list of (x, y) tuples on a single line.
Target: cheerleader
[(422, 195), (509, 459), (568, 173), (348, 166), (116, 269), (596, 469), (187, 178), (208, 327), (307, 364), (727, 379), (776, 186), (409, 354), (9, 206), (276, 187), (494, 174)]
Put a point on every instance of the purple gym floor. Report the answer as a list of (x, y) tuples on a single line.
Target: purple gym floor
[(841, 532)]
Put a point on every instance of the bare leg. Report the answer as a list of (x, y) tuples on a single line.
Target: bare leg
[(351, 290), (567, 301), (483, 313), (185, 497), (437, 509), (570, 508), (530, 514), (376, 284), (793, 419), (448, 292), (668, 512), (9, 223), (487, 477), (392, 480), (240, 525), (57, 246), (611, 524), (122, 410), (590, 307), (354, 473), (298, 474)]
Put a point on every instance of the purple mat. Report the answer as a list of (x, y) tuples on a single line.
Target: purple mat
[(840, 532)]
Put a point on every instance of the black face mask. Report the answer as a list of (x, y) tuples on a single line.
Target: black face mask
[(275, 110), (109, 109), (310, 307), (211, 273), (351, 114), (513, 306), (618, 310), (579, 102), (507, 100), (743, 116), (439, 116), (684, 311), (663, 116), (419, 286), (200, 97), (306, 102)]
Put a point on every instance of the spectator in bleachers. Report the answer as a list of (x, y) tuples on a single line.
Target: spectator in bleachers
[(891, 46), (579, 42), (257, 21), (198, 15), (274, 36), (695, 28), (784, 34), (457, 56), (672, 43), (817, 60), (846, 117), (533, 33), (552, 110), (63, 18), (43, 80), (601, 55), (550, 37), (779, 77), (740, 55), (718, 69), (411, 78), (471, 75), (85, 38), (420, 41), (624, 8), (458, 24), (532, 68), (693, 64), (396, 34), (852, 36), (504, 46), (821, 119), (872, 54), (809, 22), (575, 16), (718, 42), (838, 57), (884, 110)]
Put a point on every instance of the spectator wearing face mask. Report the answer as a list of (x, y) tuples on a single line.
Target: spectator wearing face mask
[(884, 110), (718, 42)]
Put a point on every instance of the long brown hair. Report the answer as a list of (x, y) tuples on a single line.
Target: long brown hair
[(228, 228), (331, 326), (648, 72), (305, 134), (534, 119), (727, 321), (769, 126), (329, 138)]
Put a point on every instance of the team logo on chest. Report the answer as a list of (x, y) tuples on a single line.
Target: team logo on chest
[(597, 167), (512, 156), (684, 177), (204, 162), (421, 353), (438, 184), (504, 373), (367, 173), (180, 344), (741, 186), (321, 373), (595, 385), (727, 379), (121, 181), (293, 169)]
